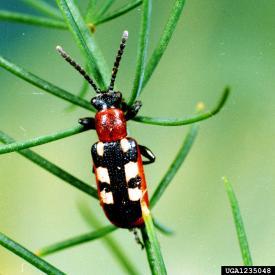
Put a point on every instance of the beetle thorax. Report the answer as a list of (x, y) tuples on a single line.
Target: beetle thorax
[(110, 125)]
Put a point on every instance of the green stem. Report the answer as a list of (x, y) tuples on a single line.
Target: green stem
[(85, 41), (44, 7), (176, 164), (31, 19), (142, 50), (22, 252), (75, 130), (243, 242), (162, 228), (48, 87), (91, 236), (52, 168), (151, 243), (91, 11), (44, 85), (164, 40), (19, 145), (179, 122), (128, 7), (104, 8)]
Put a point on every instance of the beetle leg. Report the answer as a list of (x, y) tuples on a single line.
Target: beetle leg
[(137, 239), (133, 110), (87, 122), (147, 153)]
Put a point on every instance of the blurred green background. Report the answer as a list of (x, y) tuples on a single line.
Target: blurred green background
[(216, 43)]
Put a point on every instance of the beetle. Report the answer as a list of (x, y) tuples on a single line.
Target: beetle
[(117, 158)]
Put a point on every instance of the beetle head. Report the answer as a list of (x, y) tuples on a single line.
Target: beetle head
[(107, 100)]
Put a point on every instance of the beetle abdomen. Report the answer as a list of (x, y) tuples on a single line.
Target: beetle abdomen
[(120, 181)]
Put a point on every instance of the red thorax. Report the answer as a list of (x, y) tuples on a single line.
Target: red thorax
[(110, 125)]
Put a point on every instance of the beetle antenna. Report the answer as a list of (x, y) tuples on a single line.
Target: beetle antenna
[(118, 58), (78, 68)]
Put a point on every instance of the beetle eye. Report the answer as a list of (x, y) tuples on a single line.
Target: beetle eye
[(93, 100), (118, 95)]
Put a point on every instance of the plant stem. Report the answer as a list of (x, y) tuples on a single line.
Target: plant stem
[(85, 41), (52, 168), (178, 121), (48, 87), (22, 252), (104, 8), (31, 19), (44, 85), (142, 50), (91, 236), (90, 11), (19, 145), (162, 228), (239, 225), (176, 164), (164, 40), (151, 244), (44, 7), (125, 9)]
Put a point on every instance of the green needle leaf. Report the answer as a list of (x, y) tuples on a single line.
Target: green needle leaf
[(142, 50), (90, 11), (164, 40), (178, 122), (104, 8), (44, 7), (22, 252), (126, 8), (174, 167), (85, 41), (44, 85), (76, 240), (243, 242), (16, 146), (31, 19), (151, 244), (163, 228), (52, 168)]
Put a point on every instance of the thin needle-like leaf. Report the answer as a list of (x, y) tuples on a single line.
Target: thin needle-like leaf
[(142, 50), (176, 164), (31, 19), (91, 11), (44, 7), (85, 41), (151, 243), (22, 252), (19, 145), (164, 40), (162, 228), (52, 168), (128, 7), (178, 121), (110, 242), (243, 242), (104, 8), (76, 240), (44, 85)]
